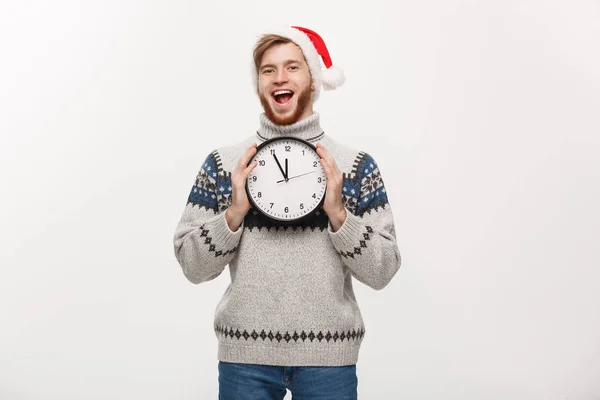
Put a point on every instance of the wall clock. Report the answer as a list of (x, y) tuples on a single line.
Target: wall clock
[(289, 182)]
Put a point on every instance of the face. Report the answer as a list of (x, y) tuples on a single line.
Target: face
[(284, 84)]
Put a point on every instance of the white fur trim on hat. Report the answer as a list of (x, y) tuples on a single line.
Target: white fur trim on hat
[(332, 78)]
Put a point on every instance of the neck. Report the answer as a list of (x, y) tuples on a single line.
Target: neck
[(308, 128)]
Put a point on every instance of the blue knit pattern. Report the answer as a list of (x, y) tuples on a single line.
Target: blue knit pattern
[(363, 190), (212, 188)]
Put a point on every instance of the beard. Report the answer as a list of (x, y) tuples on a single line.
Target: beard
[(302, 103)]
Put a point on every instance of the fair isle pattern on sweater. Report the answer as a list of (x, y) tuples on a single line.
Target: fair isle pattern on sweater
[(291, 299), (212, 191)]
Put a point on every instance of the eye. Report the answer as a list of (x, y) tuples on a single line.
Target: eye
[(266, 71), (294, 67)]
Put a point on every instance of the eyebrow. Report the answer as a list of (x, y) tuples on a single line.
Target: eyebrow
[(287, 62)]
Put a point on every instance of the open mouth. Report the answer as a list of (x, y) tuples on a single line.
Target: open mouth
[(282, 97)]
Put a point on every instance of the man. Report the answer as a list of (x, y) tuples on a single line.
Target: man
[(289, 318)]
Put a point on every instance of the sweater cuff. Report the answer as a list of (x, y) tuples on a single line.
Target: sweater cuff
[(221, 233), (349, 233)]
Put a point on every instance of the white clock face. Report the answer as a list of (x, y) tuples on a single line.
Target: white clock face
[(292, 198)]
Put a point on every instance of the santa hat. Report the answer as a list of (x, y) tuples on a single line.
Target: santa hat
[(314, 49)]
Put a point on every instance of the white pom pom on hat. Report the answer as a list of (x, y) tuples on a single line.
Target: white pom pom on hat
[(314, 49)]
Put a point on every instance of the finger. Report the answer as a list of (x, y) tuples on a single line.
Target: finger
[(322, 151), (249, 169), (334, 176), (327, 168), (245, 159), (243, 163), (330, 169)]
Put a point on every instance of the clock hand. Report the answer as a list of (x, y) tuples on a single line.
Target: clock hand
[(296, 176), (286, 170), (281, 169)]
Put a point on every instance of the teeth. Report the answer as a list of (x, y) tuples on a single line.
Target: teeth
[(282, 92)]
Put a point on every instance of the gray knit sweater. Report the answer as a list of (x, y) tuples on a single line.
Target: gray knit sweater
[(290, 301)]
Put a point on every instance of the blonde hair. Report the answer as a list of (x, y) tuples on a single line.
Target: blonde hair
[(266, 42)]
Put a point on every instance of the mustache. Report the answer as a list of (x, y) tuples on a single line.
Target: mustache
[(304, 97)]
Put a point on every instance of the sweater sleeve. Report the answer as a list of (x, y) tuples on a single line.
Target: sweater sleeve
[(203, 242), (366, 241)]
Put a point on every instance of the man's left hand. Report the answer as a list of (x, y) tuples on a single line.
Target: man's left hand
[(333, 205)]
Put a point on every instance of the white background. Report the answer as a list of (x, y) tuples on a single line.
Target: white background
[(484, 118)]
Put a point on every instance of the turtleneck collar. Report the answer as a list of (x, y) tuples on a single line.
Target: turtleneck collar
[(308, 128)]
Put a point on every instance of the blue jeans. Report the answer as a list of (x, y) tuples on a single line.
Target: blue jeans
[(269, 382)]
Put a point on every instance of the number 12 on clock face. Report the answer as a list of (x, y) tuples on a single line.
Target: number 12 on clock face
[(288, 184)]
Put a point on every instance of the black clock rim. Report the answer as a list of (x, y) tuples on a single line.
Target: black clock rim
[(280, 138), (255, 206)]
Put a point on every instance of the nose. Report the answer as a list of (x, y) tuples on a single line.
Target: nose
[(281, 76)]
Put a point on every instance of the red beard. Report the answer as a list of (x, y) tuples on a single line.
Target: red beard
[(303, 101)]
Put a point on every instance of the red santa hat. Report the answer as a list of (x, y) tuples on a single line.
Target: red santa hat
[(314, 50)]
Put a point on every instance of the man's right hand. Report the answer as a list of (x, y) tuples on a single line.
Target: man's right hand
[(240, 205)]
